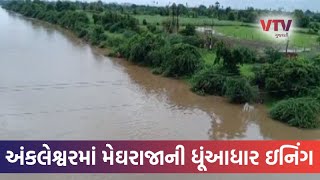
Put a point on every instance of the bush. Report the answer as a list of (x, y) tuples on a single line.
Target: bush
[(116, 27), (299, 112), (184, 60), (115, 41), (207, 81), (97, 35), (229, 57), (152, 28), (190, 30), (272, 55), (238, 90), (144, 22), (141, 46), (158, 56), (191, 40), (175, 38), (289, 78)]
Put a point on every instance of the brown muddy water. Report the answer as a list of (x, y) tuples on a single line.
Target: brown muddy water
[(55, 87)]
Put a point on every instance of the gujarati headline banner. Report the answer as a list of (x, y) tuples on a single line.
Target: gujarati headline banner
[(160, 156)]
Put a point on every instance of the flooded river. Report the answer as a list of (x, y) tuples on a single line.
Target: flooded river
[(54, 86)]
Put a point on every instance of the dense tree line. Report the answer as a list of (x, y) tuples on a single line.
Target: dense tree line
[(306, 19)]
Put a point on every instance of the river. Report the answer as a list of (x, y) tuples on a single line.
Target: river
[(53, 86)]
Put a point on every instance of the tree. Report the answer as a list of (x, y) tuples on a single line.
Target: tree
[(231, 58), (302, 19), (217, 5), (231, 16)]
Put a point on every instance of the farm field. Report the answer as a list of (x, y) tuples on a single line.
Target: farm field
[(299, 38), (199, 21), (236, 29)]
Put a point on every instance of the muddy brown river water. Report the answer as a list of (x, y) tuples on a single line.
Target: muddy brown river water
[(54, 86)]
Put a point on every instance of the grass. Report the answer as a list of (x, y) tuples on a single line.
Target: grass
[(299, 39), (236, 29), (200, 21)]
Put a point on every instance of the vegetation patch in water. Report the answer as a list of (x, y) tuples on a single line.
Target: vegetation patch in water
[(298, 112)]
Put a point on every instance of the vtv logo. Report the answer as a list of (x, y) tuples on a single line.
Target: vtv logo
[(266, 25)]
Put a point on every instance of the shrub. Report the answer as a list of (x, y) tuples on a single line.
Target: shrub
[(144, 22), (152, 28), (175, 38), (97, 35), (299, 112), (272, 55), (141, 46), (231, 58), (207, 81), (184, 60), (238, 90), (190, 30), (116, 27), (128, 34), (115, 41), (158, 56), (193, 40), (289, 78), (248, 55)]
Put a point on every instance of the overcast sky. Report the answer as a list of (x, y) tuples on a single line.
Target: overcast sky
[(238, 4)]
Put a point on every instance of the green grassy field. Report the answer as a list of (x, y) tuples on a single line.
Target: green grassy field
[(200, 21), (236, 29), (299, 39)]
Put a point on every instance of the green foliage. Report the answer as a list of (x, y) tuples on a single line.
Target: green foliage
[(247, 55), (208, 81), (301, 19), (299, 112), (115, 41), (238, 90), (142, 45), (97, 35), (170, 25), (184, 60), (272, 55), (231, 16), (289, 77), (314, 28), (144, 22), (232, 58), (318, 39), (158, 57), (116, 22), (191, 40), (190, 30), (152, 28)]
